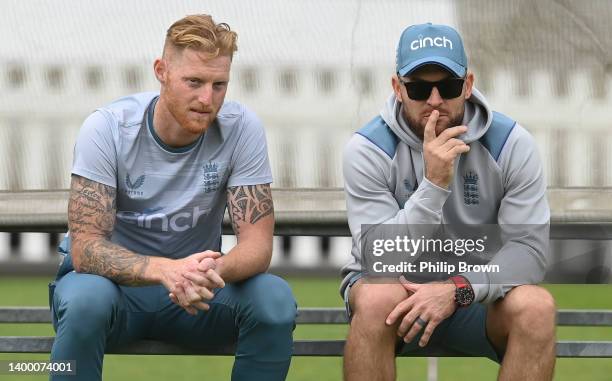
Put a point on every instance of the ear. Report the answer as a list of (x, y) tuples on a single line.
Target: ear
[(397, 87), (469, 84), (160, 68)]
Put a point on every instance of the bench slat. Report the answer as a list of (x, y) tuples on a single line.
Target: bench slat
[(25, 315), (595, 318), (576, 213), (592, 349)]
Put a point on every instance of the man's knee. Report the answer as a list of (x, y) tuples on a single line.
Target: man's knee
[(371, 303), (532, 310), (270, 300), (85, 302)]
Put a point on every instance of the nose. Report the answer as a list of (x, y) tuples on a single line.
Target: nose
[(205, 94), (434, 99)]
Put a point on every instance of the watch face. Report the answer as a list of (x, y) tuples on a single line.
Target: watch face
[(464, 296)]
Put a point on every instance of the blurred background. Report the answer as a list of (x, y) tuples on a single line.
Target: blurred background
[(314, 71)]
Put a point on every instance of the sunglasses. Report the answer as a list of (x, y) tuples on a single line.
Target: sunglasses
[(448, 88)]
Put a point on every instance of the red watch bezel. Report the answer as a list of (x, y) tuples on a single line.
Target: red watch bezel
[(459, 281)]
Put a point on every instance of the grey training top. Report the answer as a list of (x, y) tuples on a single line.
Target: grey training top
[(170, 201)]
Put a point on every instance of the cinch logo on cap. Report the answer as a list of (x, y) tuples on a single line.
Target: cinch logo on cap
[(427, 44), (431, 41)]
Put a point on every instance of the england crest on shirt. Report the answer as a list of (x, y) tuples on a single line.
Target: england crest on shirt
[(470, 189), (211, 177)]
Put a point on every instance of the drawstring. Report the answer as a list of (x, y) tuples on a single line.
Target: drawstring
[(416, 179)]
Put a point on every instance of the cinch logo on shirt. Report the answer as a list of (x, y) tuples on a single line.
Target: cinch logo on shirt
[(156, 220), (440, 42)]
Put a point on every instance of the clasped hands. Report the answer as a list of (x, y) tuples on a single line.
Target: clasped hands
[(191, 280)]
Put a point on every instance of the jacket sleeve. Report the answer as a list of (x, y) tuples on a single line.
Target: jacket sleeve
[(524, 217), (370, 198)]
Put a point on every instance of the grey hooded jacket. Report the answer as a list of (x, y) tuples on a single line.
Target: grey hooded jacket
[(384, 184)]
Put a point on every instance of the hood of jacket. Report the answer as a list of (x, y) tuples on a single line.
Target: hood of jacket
[(477, 117)]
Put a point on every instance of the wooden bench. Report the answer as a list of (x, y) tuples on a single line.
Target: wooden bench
[(28, 315), (576, 213)]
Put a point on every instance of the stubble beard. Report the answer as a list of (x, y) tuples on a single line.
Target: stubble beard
[(187, 122), (195, 127), (418, 126)]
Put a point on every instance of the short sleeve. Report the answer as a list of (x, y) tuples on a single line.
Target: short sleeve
[(250, 163), (95, 154)]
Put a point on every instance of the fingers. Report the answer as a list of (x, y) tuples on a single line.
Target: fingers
[(196, 293), (215, 278), (452, 132), (408, 323), (209, 279), (190, 300), (450, 143), (452, 148), (189, 287), (173, 298), (207, 263), (201, 306), (206, 254), (423, 311), (203, 294), (456, 150), (185, 294), (429, 330), (412, 324), (190, 294), (400, 310), (430, 127), (179, 295), (178, 298), (198, 279), (414, 327), (191, 309), (413, 287)]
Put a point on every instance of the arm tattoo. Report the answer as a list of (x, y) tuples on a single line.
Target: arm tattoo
[(91, 218), (249, 203)]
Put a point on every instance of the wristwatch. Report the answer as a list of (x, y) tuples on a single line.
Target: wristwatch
[(464, 294)]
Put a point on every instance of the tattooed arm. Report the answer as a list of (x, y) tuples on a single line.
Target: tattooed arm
[(252, 214), (91, 219)]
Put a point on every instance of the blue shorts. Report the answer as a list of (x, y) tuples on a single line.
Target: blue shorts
[(463, 333)]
